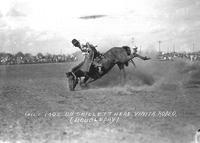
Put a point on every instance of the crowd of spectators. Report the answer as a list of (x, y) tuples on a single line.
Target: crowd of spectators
[(191, 56), (21, 58)]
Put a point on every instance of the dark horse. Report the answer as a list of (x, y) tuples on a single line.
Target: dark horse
[(116, 55)]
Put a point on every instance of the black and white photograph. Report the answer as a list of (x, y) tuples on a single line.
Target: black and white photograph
[(99, 71)]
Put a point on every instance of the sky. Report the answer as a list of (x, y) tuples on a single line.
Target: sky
[(48, 26)]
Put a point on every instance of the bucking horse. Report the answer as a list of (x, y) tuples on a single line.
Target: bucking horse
[(120, 56)]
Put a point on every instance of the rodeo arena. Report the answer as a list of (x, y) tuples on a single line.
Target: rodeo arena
[(97, 71), (95, 103)]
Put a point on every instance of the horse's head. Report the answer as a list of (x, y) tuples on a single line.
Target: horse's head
[(72, 80)]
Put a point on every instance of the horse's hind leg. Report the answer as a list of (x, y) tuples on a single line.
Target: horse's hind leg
[(124, 74), (122, 77), (122, 71)]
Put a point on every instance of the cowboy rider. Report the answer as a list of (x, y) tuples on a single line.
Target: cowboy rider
[(90, 54)]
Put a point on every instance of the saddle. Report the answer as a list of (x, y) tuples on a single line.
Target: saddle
[(96, 61)]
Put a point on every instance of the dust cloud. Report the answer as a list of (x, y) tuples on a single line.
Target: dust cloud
[(154, 74)]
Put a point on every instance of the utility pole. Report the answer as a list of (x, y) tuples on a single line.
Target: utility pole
[(159, 43), (193, 47)]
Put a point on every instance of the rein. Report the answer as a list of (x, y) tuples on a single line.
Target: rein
[(74, 75)]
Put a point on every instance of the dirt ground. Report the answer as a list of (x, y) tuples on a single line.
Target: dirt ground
[(159, 103)]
